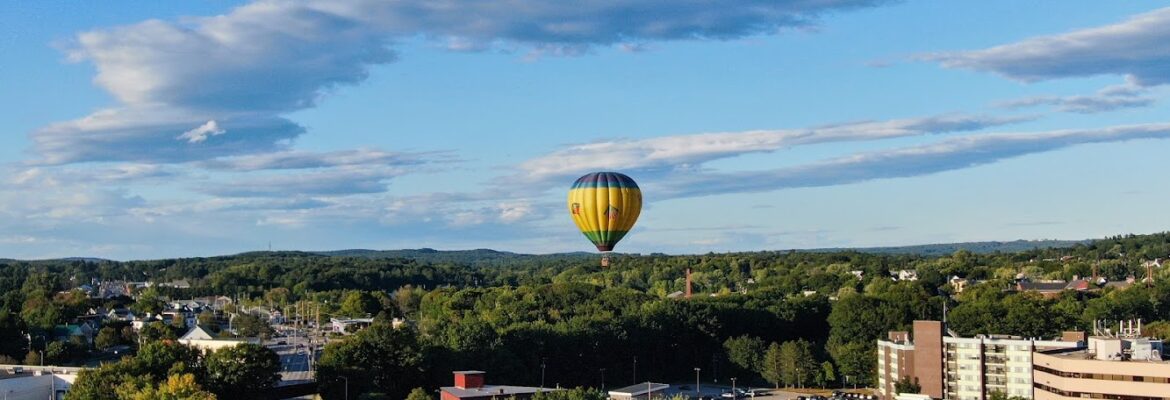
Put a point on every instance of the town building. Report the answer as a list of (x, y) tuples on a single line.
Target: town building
[(946, 366), (644, 391), (958, 285), (22, 382), (470, 385), (350, 325), (1118, 365), (203, 339)]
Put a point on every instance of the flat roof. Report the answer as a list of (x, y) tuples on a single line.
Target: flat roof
[(494, 390), (638, 389), (1083, 353), (468, 372)]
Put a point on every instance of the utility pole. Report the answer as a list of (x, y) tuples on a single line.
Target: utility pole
[(635, 369), (698, 393), (542, 360)]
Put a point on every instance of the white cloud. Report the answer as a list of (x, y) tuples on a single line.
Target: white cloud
[(240, 71), (512, 212), (200, 134), (1108, 99), (946, 155), (685, 151), (146, 134), (1135, 48), (329, 182), (303, 159)]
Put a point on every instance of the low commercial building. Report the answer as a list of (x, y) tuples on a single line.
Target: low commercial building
[(470, 385), (951, 367), (20, 382), (200, 338), (350, 325), (1119, 368), (644, 391)]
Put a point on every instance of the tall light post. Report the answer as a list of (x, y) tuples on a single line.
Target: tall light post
[(346, 386), (603, 379), (734, 395), (635, 369), (542, 360), (698, 393)]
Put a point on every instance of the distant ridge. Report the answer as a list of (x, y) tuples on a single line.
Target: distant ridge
[(949, 248), (489, 256), (477, 256)]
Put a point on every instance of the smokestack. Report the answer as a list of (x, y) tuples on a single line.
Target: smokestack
[(688, 295)]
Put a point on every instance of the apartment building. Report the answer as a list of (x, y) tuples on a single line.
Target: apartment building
[(1110, 367), (977, 367), (950, 367), (895, 360)]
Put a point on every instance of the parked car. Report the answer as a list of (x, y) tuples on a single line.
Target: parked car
[(738, 393)]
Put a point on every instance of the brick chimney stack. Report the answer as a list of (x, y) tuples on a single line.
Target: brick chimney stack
[(469, 379)]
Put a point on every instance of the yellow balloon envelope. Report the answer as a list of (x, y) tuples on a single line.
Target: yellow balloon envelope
[(605, 205)]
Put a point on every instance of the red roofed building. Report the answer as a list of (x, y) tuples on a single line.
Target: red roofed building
[(471, 385)]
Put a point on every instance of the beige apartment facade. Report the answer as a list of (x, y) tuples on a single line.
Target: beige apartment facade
[(1109, 368), (958, 368)]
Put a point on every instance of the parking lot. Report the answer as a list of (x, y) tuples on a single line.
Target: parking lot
[(714, 392)]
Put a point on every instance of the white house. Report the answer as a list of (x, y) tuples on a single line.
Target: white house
[(200, 338)]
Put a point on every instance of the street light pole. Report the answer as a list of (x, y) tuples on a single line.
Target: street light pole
[(734, 395), (346, 387), (542, 360), (635, 369), (698, 393), (603, 379)]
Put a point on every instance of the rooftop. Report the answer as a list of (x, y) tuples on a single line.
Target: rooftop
[(493, 390), (1115, 349), (639, 389)]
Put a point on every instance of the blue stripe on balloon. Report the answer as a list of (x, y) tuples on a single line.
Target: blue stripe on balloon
[(604, 179)]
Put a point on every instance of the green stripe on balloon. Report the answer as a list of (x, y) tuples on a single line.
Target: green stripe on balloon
[(604, 240)]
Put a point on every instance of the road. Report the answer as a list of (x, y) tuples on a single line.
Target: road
[(295, 359)]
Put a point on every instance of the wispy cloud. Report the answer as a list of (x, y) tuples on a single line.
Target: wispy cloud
[(946, 155), (200, 134), (686, 151), (148, 135), (305, 159), (1108, 99), (1135, 48), (331, 182)]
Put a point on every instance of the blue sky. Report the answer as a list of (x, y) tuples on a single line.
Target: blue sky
[(146, 129)]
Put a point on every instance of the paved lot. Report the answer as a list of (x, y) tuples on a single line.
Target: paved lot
[(715, 390)]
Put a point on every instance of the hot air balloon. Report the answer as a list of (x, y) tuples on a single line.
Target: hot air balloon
[(605, 205)]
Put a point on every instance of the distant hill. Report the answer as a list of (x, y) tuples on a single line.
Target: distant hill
[(483, 257), (974, 247), (477, 256)]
